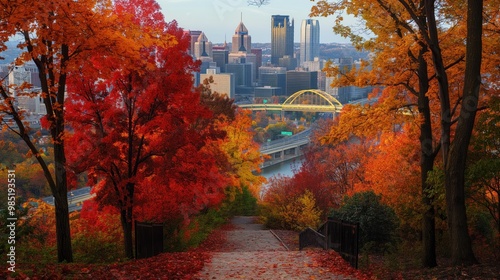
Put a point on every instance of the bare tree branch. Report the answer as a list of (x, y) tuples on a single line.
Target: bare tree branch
[(257, 3)]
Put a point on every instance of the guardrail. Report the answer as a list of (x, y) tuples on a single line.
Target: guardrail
[(310, 237), (341, 236), (287, 140)]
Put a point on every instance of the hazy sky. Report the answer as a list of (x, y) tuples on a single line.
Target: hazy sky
[(219, 18)]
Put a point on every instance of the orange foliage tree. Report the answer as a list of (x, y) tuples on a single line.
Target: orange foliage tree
[(56, 36), (331, 172), (416, 51), (243, 153), (393, 172), (241, 156)]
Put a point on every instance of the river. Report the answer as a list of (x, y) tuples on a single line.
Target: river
[(284, 168)]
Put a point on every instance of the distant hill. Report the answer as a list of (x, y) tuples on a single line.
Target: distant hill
[(326, 51), (332, 50), (10, 54)]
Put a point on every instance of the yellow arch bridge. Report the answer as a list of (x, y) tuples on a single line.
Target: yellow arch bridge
[(308, 100)]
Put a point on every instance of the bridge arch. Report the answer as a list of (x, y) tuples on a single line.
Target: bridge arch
[(312, 98)]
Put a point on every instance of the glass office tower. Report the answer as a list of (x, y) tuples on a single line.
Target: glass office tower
[(309, 40), (281, 38)]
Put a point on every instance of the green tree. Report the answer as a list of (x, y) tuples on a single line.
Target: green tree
[(377, 222)]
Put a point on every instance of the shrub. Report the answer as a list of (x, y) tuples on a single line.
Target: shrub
[(270, 216), (301, 213), (244, 203), (293, 214), (97, 235), (96, 247), (377, 222), (181, 234)]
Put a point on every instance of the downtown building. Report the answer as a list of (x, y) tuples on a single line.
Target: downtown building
[(300, 80), (220, 55), (28, 100), (309, 40), (281, 38), (193, 38), (241, 61), (223, 83), (202, 47)]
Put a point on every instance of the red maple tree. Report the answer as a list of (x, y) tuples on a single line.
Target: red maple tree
[(140, 131)]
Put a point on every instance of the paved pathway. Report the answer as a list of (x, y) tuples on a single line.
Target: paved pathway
[(252, 252)]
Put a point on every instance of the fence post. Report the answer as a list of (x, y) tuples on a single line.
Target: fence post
[(148, 239)]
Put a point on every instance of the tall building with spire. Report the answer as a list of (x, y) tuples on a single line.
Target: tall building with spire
[(202, 47), (242, 42), (242, 62), (281, 38), (309, 40), (193, 36)]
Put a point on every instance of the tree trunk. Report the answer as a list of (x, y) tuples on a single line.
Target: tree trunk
[(498, 213), (63, 232), (127, 233), (428, 221), (461, 245), (427, 156), (441, 75), (126, 217)]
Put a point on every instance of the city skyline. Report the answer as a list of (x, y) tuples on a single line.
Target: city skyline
[(217, 19)]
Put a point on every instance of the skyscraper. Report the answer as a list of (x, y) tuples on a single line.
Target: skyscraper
[(281, 38), (202, 47), (194, 34), (242, 42), (309, 40), (241, 53)]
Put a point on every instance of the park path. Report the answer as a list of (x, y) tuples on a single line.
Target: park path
[(251, 252)]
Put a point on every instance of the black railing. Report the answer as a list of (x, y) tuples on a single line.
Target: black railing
[(343, 237), (334, 234), (148, 240), (310, 237)]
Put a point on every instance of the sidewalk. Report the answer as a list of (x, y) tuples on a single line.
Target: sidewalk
[(252, 252)]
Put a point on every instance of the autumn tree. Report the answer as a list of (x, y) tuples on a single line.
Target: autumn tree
[(241, 157), (243, 153), (331, 172), (419, 28), (145, 124), (54, 35), (396, 44), (393, 171)]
